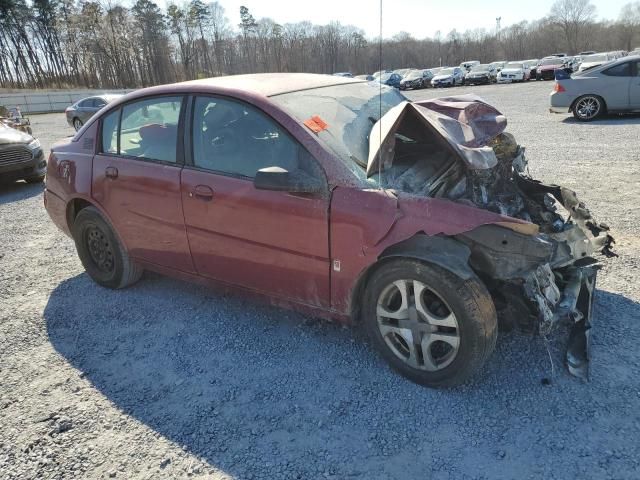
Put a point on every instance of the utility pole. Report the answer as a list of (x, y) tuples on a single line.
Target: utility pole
[(498, 19)]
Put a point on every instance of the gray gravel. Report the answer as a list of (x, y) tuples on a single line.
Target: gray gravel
[(169, 380)]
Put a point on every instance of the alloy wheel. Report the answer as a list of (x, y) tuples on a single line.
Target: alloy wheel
[(77, 124), (588, 108), (417, 325)]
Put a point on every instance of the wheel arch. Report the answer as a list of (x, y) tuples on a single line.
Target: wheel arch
[(444, 252), (73, 208)]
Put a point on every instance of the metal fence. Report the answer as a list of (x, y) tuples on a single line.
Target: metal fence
[(49, 102)]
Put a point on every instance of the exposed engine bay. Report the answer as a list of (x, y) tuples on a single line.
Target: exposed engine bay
[(540, 274)]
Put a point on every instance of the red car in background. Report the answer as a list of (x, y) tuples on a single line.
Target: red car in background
[(420, 223), (547, 67)]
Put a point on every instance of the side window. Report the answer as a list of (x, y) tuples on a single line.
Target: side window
[(99, 103), (233, 138), (110, 132), (149, 128), (622, 70)]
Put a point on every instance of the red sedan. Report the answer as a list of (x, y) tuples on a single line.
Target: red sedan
[(335, 197)]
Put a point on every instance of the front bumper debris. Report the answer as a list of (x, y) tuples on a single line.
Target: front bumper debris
[(572, 304)]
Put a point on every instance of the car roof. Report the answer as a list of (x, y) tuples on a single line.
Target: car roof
[(271, 84)]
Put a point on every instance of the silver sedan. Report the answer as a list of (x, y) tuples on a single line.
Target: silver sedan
[(610, 88), (81, 111)]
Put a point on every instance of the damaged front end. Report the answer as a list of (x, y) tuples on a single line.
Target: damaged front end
[(541, 271)]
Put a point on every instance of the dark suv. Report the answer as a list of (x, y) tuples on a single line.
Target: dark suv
[(21, 156)]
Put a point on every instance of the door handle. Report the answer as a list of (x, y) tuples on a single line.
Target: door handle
[(202, 192), (111, 172)]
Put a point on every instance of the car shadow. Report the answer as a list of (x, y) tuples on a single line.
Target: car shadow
[(232, 380), (606, 120), (19, 190)]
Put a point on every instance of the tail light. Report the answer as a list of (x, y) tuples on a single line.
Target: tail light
[(558, 88)]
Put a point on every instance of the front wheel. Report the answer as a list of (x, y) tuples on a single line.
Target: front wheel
[(101, 253), (587, 108), (77, 124), (431, 326)]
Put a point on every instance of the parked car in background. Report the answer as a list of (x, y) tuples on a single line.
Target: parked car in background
[(548, 66), (613, 87), (532, 63), (21, 156), (344, 74), (448, 77), (514, 72), (12, 117), (425, 246), (498, 65), (368, 78), (588, 52), (392, 79), (380, 72), (403, 71), (481, 75), (416, 79), (81, 111), (469, 64), (559, 55), (590, 61)]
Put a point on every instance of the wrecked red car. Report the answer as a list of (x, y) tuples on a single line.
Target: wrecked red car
[(332, 196)]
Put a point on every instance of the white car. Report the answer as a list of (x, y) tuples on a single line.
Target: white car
[(590, 61), (514, 72)]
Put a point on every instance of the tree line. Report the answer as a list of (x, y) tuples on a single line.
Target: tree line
[(104, 44)]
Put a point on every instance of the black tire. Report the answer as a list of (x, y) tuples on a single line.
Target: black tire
[(77, 124), (469, 302), (39, 179), (587, 108), (101, 252)]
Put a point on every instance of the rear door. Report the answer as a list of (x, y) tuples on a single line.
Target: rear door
[(136, 179), (273, 242)]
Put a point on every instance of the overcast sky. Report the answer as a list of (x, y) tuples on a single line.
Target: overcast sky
[(421, 18)]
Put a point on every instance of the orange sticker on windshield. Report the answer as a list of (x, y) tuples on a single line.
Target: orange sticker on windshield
[(316, 124)]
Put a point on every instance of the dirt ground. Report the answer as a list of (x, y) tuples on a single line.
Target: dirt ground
[(171, 380)]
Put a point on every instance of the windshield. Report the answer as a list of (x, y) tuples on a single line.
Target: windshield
[(514, 65), (480, 68), (551, 61), (413, 74), (595, 58), (349, 110), (446, 71)]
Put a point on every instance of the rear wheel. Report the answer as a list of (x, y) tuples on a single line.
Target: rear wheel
[(430, 325), (77, 124), (587, 108), (101, 252)]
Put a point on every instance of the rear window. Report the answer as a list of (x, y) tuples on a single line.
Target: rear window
[(621, 70)]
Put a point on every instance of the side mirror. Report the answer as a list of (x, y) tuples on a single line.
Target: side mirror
[(282, 180)]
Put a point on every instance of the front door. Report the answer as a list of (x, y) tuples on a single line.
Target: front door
[(136, 180), (268, 241)]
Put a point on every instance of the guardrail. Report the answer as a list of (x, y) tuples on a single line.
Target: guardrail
[(50, 102)]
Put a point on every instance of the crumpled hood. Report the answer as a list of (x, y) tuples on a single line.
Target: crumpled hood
[(466, 122), (11, 135)]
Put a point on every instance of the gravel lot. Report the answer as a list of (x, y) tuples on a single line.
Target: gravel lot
[(169, 380)]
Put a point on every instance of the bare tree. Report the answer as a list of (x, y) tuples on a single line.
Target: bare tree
[(574, 18)]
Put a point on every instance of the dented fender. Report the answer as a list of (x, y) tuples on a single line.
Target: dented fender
[(364, 224)]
